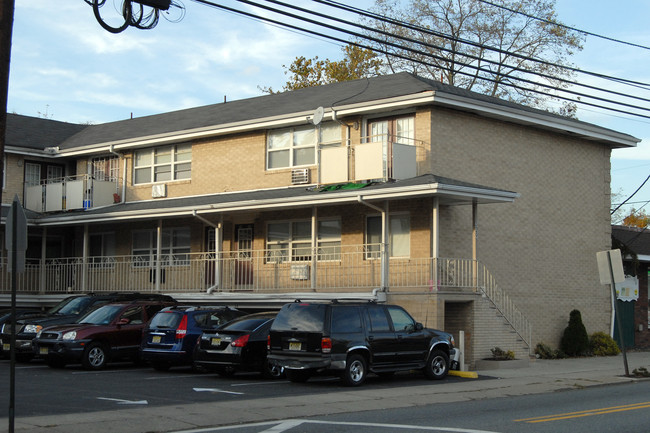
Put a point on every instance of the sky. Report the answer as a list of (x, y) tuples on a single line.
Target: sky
[(66, 67)]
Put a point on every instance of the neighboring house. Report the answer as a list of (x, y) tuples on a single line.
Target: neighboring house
[(632, 294), (474, 213)]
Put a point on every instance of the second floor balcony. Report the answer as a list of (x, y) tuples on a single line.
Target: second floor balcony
[(71, 193)]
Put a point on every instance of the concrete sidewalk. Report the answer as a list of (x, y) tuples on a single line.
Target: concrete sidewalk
[(539, 377)]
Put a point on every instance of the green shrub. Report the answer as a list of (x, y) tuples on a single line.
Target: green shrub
[(575, 340), (544, 351), (501, 355), (602, 344)]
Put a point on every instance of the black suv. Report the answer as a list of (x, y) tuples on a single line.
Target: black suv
[(66, 311), (351, 339)]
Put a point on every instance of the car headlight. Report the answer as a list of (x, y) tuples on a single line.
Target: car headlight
[(72, 335), (32, 329)]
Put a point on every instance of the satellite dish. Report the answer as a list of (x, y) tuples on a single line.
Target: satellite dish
[(318, 116)]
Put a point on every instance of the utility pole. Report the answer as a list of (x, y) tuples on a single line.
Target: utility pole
[(6, 29)]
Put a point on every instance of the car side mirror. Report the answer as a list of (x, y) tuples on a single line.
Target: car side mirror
[(418, 326)]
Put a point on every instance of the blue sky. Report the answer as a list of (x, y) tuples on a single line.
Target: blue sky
[(64, 66)]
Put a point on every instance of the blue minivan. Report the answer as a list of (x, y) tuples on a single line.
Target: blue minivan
[(170, 337)]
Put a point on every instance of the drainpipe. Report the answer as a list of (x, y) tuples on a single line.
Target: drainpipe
[(314, 247), (218, 228), (119, 155), (384, 242)]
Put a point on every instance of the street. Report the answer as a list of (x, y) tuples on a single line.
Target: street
[(132, 390)]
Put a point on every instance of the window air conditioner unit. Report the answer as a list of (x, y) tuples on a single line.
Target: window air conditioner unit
[(159, 190), (299, 176)]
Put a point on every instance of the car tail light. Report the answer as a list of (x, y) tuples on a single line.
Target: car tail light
[(241, 341), (326, 345), (181, 331), (268, 342)]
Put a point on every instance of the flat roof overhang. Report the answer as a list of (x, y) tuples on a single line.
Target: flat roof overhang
[(448, 191)]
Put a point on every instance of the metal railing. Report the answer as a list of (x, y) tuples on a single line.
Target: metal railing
[(330, 269)]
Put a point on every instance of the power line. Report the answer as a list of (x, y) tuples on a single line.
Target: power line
[(627, 199), (366, 37), (584, 32)]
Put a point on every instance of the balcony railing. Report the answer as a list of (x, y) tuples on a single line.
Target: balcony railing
[(330, 270), (71, 193)]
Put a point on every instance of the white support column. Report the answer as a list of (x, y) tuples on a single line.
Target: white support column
[(435, 243), (158, 270), (314, 247), (42, 275), (84, 260), (385, 253), (218, 252)]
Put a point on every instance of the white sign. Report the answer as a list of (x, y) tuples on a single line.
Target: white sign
[(610, 262)]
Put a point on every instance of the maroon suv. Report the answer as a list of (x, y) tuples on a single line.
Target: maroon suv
[(111, 332)]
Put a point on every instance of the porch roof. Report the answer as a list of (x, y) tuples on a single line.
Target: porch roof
[(449, 191), (635, 240)]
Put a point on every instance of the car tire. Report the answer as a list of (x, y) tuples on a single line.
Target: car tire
[(356, 370), (55, 362), (437, 365), (95, 356), (225, 371), (298, 376), (161, 366), (271, 370)]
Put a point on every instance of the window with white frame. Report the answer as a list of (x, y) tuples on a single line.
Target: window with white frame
[(101, 249), (175, 247), (105, 169), (295, 147), (291, 240), (161, 164), (396, 130), (399, 235)]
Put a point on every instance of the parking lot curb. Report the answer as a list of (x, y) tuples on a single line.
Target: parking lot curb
[(465, 374)]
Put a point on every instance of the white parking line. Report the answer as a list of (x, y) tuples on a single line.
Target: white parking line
[(286, 425)]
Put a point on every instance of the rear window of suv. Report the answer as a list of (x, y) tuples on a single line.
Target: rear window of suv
[(301, 317), (166, 320)]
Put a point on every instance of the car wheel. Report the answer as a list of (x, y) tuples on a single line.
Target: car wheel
[(24, 357), (95, 357), (161, 366), (298, 376), (355, 370), (55, 362), (271, 370), (437, 365), (226, 371)]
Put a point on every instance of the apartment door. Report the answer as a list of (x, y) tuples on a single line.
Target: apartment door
[(244, 255)]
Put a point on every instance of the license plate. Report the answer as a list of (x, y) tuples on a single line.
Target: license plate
[(155, 339), (43, 350), (216, 342), (295, 346), (6, 347)]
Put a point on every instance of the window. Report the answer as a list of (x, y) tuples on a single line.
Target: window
[(395, 130), (32, 174), (401, 320), (101, 249), (104, 168), (291, 240), (294, 147), (378, 319), (175, 247), (161, 164), (398, 236)]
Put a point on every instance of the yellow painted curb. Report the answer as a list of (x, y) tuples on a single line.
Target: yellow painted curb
[(466, 374)]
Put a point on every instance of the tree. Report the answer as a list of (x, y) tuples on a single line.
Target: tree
[(356, 63), (637, 219), (437, 46), (575, 340)]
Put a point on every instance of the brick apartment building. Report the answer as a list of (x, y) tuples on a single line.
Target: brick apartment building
[(474, 213)]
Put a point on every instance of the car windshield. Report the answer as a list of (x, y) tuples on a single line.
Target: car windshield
[(71, 306), (304, 317), (101, 316)]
